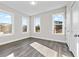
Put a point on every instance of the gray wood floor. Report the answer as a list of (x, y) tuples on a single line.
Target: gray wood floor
[(22, 48)]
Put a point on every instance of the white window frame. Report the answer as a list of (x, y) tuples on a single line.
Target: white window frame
[(27, 22), (39, 22), (12, 22), (63, 24)]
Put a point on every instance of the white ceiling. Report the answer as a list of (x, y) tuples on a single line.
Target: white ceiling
[(41, 6)]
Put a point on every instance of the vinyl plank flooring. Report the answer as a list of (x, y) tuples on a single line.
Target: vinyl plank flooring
[(22, 48)]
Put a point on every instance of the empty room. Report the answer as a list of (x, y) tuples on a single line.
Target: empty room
[(39, 28)]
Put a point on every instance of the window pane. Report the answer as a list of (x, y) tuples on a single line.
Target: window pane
[(37, 24), (5, 23), (58, 29), (24, 24), (58, 23)]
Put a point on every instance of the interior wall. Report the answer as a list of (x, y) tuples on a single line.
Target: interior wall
[(75, 28), (46, 26), (69, 39), (17, 34), (72, 28)]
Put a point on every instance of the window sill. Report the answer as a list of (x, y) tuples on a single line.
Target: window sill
[(58, 33), (37, 32), (24, 32), (1, 35)]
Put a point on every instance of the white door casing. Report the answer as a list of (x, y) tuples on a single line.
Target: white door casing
[(75, 28)]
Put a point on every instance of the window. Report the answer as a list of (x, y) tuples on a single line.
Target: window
[(37, 24), (5, 23), (24, 24), (58, 23)]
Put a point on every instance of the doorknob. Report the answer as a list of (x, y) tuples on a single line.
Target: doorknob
[(78, 35), (75, 35)]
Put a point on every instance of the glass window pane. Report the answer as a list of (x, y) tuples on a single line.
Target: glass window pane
[(58, 29), (5, 23), (37, 24), (24, 24), (58, 20)]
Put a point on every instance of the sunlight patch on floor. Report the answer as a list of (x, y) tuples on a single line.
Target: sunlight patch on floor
[(47, 52), (64, 56), (11, 55)]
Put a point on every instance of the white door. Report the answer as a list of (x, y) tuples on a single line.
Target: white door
[(75, 29)]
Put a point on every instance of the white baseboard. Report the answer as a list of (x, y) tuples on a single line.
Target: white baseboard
[(33, 37), (49, 39), (12, 40)]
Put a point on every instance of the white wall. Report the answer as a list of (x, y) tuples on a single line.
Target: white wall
[(75, 28), (72, 28), (17, 35), (46, 26)]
